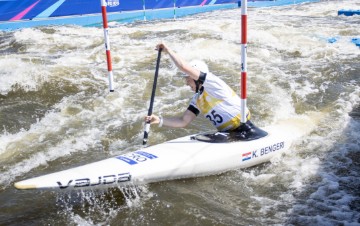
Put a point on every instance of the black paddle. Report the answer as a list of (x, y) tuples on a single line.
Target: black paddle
[(147, 125)]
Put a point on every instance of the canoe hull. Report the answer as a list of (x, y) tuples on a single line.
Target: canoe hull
[(180, 158)]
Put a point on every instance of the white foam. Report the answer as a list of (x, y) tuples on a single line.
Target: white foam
[(285, 60), (16, 71)]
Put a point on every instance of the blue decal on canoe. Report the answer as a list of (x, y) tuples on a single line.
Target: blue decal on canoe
[(244, 159), (127, 160), (147, 155)]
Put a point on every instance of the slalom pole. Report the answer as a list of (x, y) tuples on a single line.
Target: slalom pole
[(248, 130), (147, 124), (107, 45), (144, 10), (243, 59), (174, 9)]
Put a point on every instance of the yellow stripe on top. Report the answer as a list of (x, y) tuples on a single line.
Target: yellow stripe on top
[(233, 123), (206, 102)]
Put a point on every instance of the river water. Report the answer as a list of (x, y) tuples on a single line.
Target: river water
[(56, 113)]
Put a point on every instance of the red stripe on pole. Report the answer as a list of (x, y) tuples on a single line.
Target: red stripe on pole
[(243, 29), (105, 22), (243, 85), (108, 57)]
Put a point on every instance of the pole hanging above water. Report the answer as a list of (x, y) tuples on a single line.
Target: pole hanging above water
[(107, 45), (247, 130), (174, 9), (144, 10), (243, 59)]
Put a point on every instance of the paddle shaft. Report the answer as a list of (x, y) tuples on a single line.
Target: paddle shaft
[(147, 124)]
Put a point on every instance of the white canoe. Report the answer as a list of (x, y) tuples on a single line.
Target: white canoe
[(179, 158)]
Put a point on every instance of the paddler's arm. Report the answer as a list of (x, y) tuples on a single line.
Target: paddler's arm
[(175, 122), (179, 62)]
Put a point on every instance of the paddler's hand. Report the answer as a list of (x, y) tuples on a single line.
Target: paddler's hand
[(153, 119), (162, 46)]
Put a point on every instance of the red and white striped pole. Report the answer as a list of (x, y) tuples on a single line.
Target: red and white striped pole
[(107, 45), (243, 59)]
